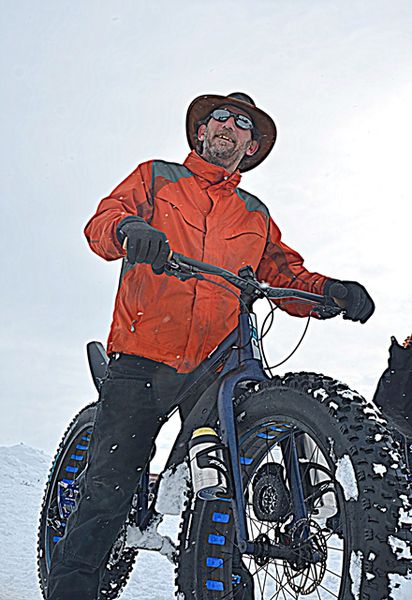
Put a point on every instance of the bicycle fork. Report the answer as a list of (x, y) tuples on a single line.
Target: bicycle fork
[(228, 431)]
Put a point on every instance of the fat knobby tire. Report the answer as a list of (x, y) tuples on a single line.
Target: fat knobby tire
[(377, 525), (70, 460)]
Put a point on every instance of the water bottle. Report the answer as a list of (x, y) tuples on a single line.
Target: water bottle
[(205, 455)]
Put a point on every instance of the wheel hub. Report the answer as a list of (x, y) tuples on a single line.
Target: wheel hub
[(271, 500)]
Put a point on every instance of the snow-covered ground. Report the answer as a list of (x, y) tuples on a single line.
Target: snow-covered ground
[(23, 472)]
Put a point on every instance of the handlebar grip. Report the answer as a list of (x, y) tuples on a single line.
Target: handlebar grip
[(338, 290)]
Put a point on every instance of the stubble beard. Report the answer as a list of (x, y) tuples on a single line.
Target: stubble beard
[(227, 156)]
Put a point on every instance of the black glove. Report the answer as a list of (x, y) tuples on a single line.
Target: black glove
[(354, 298), (145, 244)]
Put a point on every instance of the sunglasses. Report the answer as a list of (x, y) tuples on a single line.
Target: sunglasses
[(223, 114)]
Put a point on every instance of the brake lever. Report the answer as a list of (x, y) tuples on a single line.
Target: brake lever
[(183, 272), (329, 309)]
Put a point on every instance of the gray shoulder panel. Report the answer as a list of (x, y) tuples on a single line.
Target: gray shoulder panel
[(170, 171), (252, 203)]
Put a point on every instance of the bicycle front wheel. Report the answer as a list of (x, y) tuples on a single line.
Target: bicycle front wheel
[(346, 519)]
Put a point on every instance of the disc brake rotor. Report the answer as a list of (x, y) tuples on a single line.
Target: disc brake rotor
[(306, 573)]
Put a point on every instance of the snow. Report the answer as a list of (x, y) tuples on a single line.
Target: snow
[(23, 473), (345, 475), (401, 587), (355, 571), (405, 512), (379, 469), (400, 548), (323, 394), (350, 394), (151, 539), (370, 411), (171, 490)]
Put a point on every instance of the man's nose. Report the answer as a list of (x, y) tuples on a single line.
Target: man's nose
[(230, 122)]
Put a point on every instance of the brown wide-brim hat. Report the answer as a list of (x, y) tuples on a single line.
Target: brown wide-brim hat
[(264, 132)]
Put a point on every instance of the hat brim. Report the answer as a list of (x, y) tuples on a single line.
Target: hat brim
[(202, 106)]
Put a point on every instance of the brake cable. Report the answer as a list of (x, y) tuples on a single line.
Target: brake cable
[(293, 351), (263, 333), (270, 314)]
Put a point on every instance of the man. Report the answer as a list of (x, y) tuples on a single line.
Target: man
[(163, 328)]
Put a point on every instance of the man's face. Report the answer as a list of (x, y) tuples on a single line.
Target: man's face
[(224, 143)]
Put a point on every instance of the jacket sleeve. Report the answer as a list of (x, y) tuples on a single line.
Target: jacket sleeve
[(131, 198), (281, 266)]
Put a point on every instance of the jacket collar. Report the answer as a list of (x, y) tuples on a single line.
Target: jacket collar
[(211, 174)]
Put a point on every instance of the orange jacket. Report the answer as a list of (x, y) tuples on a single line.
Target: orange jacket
[(207, 217)]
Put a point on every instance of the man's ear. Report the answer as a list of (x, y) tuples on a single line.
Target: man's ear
[(201, 133), (253, 148)]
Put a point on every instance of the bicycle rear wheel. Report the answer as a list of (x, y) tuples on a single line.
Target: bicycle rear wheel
[(353, 540), (59, 501)]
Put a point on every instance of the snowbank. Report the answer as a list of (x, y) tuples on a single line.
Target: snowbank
[(23, 472)]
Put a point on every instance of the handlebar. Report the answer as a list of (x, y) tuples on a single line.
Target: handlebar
[(185, 268)]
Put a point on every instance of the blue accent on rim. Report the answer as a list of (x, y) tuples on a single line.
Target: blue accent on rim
[(56, 538), (220, 517), (236, 579), (72, 469), (266, 436), (86, 439), (245, 461), (67, 481), (216, 540), (80, 447), (77, 457), (215, 563), (218, 586)]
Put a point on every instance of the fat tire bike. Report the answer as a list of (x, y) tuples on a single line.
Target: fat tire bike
[(312, 497)]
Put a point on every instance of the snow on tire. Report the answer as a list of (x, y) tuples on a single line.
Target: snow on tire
[(356, 494)]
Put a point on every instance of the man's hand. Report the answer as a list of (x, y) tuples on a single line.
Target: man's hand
[(143, 243), (354, 298)]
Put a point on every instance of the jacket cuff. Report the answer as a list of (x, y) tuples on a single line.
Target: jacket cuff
[(119, 233)]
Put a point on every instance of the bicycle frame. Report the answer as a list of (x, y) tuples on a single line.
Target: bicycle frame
[(237, 359), (243, 364)]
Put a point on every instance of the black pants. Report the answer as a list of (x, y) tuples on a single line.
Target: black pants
[(134, 400)]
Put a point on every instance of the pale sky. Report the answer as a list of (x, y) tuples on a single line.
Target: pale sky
[(92, 88)]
